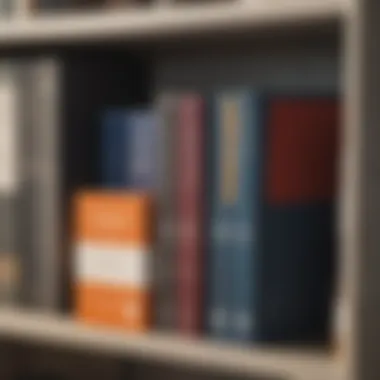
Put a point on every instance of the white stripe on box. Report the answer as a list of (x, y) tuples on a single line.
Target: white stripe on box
[(123, 265)]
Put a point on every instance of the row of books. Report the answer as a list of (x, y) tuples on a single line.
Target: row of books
[(30, 7), (244, 187), (213, 214)]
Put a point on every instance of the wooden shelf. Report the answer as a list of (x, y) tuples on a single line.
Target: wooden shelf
[(61, 332), (164, 22)]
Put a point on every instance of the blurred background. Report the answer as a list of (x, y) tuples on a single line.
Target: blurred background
[(183, 186)]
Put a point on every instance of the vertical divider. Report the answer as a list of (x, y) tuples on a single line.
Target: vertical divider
[(360, 188)]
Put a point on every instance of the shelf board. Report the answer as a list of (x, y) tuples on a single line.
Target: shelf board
[(159, 23), (63, 332)]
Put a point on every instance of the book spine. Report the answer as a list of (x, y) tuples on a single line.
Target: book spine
[(246, 216), (298, 217), (165, 253), (46, 176), (25, 219), (10, 263), (190, 195), (224, 165), (142, 125), (114, 149)]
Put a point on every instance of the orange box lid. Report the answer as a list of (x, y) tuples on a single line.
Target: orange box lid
[(113, 217)]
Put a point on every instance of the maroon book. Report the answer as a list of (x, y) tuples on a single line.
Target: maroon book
[(302, 151), (190, 197)]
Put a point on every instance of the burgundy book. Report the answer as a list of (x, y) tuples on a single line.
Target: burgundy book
[(190, 196)]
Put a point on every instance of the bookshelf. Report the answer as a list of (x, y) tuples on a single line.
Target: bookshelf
[(162, 23), (296, 364), (357, 332)]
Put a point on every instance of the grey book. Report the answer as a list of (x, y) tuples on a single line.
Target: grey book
[(23, 217), (46, 76), (37, 209), (44, 174), (10, 265), (165, 255)]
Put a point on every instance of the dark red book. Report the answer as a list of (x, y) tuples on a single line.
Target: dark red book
[(190, 193), (302, 151)]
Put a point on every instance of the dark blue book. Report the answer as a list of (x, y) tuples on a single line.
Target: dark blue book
[(114, 149), (129, 149), (298, 242)]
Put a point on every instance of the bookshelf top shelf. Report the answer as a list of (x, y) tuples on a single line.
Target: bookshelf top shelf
[(61, 332), (162, 22)]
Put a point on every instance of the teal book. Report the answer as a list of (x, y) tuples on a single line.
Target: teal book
[(227, 134), (235, 215), (245, 120)]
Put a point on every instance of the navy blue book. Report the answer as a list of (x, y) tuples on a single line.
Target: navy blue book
[(114, 148), (296, 272), (129, 149)]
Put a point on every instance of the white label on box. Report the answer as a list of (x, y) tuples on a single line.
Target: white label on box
[(119, 265), (8, 135)]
